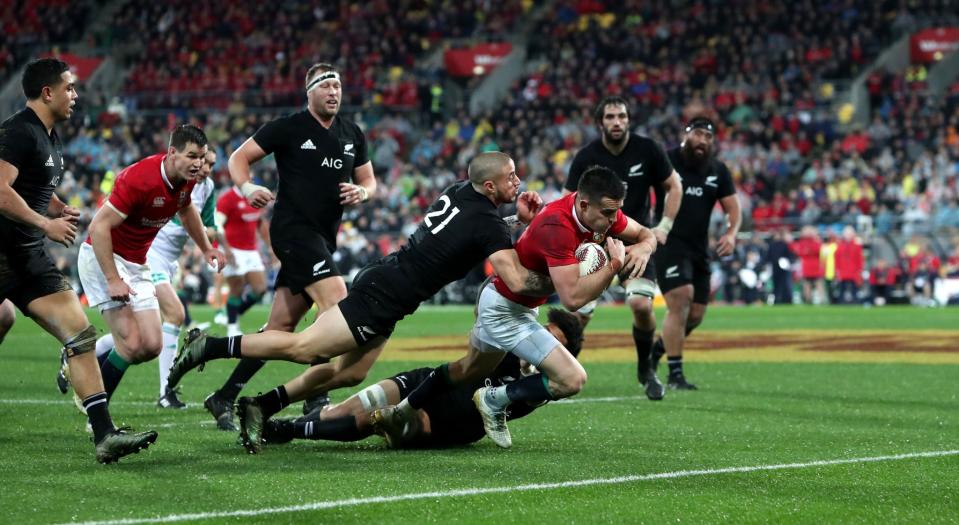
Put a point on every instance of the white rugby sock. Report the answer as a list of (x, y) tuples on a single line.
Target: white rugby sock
[(104, 344), (171, 335)]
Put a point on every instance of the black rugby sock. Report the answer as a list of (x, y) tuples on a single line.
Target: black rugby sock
[(675, 365), (98, 415), (112, 370), (530, 388), (644, 344), (337, 429), (437, 382), (249, 300), (241, 375), (233, 309), (222, 347), (273, 401)]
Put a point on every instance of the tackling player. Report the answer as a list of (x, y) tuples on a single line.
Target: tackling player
[(682, 263), (507, 321), (31, 166), (641, 164), (460, 229), (113, 261), (447, 420), (323, 166)]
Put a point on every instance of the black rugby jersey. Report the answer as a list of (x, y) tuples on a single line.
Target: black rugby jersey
[(702, 188), (460, 230), (642, 165), (25, 144), (312, 161)]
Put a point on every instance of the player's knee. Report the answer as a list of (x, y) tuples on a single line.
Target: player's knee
[(571, 383), (84, 342), (174, 316), (351, 377)]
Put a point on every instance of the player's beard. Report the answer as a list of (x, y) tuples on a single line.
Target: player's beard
[(613, 141), (694, 157)]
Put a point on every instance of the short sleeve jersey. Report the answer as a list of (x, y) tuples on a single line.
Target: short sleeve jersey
[(172, 238), (460, 230), (641, 165), (145, 198), (551, 240), (26, 145), (702, 188), (311, 161), (241, 219)]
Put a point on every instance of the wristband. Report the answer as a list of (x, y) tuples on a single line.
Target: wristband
[(665, 225), (248, 188)]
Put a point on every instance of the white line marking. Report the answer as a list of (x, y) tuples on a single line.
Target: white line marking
[(172, 518)]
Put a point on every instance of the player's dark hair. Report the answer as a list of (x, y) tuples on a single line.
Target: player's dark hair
[(613, 100), (569, 324), (598, 182), (319, 67), (185, 133), (40, 74)]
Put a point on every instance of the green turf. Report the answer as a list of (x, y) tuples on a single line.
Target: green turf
[(747, 414)]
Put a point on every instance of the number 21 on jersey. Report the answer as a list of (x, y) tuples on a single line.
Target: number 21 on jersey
[(439, 213)]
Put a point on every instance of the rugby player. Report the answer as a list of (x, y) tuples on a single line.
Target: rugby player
[(323, 166), (641, 164), (31, 166), (682, 264), (112, 262)]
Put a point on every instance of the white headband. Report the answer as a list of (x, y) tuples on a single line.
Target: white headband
[(326, 75)]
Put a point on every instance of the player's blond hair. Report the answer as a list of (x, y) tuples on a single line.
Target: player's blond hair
[(487, 165)]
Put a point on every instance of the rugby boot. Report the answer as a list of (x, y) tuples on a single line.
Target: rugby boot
[(251, 424), (222, 411), (189, 356), (121, 442), (494, 420)]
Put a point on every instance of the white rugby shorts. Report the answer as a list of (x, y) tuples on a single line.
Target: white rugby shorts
[(137, 277)]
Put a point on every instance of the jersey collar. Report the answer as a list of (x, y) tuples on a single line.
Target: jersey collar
[(166, 179), (582, 229)]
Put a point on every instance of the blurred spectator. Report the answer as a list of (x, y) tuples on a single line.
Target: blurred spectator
[(849, 266), (883, 278), (780, 258), (808, 248)]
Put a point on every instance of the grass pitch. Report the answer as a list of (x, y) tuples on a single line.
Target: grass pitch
[(804, 415)]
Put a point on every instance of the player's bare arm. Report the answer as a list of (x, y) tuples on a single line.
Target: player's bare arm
[(247, 154), (575, 291), (734, 212), (62, 230), (673, 186), (362, 187), (193, 224), (642, 245), (106, 219), (517, 278)]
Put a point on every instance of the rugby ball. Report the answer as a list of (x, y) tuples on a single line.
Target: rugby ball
[(591, 258)]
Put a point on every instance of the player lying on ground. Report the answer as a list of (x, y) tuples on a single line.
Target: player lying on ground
[(448, 420), (460, 230)]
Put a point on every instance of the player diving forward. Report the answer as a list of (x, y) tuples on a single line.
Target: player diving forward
[(507, 321), (447, 420), (460, 229)]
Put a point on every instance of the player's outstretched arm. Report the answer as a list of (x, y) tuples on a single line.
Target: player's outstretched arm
[(517, 278), (247, 154), (575, 291)]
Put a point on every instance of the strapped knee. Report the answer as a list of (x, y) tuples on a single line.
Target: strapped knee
[(373, 397), (640, 287), (85, 341)]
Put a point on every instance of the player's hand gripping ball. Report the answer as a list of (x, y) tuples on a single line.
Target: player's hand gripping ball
[(592, 257)]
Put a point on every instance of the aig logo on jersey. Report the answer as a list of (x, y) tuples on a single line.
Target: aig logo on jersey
[(696, 191)]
